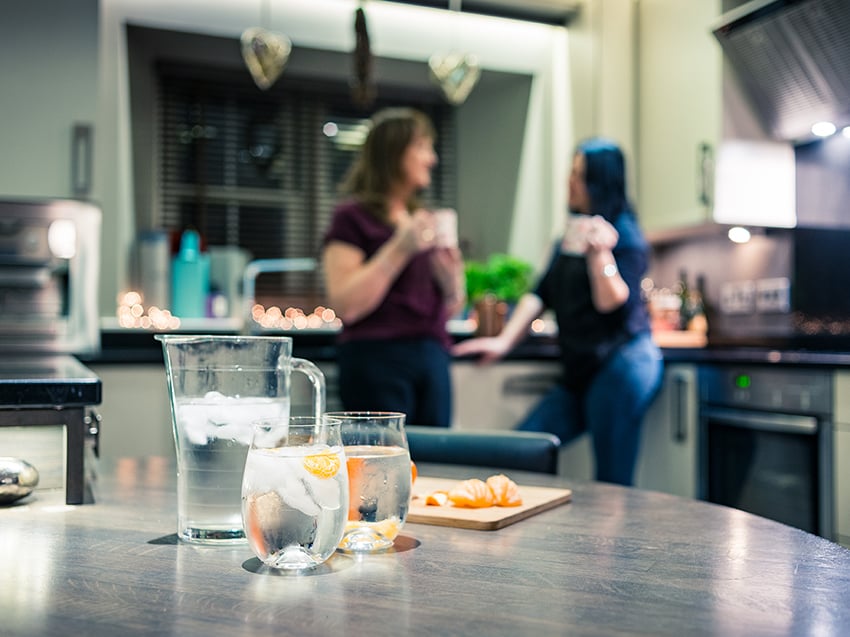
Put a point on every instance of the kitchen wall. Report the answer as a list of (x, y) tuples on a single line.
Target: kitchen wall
[(396, 31), (48, 75), (66, 62), (767, 256)]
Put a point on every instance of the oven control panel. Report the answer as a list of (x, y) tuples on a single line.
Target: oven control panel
[(805, 391)]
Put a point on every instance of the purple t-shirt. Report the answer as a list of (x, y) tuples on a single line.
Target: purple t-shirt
[(413, 306)]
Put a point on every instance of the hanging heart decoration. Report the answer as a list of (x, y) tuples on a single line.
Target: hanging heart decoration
[(265, 54), (456, 74), (362, 86)]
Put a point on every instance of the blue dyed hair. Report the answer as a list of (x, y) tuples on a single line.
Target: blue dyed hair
[(605, 177)]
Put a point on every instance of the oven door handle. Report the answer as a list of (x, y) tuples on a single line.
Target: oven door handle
[(786, 423)]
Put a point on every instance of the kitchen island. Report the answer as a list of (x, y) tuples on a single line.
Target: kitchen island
[(612, 561)]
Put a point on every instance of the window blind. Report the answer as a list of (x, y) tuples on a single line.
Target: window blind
[(255, 170)]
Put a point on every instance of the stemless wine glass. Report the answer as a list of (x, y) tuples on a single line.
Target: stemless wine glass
[(379, 478), (295, 492)]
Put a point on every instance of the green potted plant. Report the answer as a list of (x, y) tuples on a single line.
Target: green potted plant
[(494, 285)]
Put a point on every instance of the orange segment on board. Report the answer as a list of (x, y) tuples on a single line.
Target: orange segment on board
[(437, 498), (498, 490), (472, 493), (505, 491)]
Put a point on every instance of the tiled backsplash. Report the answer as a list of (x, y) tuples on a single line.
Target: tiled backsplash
[(741, 281)]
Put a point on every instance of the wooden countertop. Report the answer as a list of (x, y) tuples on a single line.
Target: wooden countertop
[(612, 561)]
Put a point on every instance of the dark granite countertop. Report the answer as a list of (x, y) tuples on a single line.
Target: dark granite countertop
[(47, 381), (139, 346)]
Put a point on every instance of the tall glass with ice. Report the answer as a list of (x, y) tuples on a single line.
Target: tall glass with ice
[(379, 477), (218, 386)]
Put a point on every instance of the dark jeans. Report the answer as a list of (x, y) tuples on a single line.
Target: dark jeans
[(611, 409), (410, 376)]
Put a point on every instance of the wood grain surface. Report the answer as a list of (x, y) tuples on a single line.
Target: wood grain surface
[(614, 561), (534, 500)]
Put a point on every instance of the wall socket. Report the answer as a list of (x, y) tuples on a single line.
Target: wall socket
[(773, 295), (737, 297), (764, 296)]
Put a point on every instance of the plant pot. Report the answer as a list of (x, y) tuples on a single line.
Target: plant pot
[(491, 313)]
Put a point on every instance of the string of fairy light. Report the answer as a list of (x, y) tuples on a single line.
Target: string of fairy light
[(132, 313)]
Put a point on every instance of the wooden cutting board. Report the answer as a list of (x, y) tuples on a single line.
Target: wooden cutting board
[(534, 500)]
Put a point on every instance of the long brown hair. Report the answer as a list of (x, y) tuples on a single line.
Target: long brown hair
[(378, 166)]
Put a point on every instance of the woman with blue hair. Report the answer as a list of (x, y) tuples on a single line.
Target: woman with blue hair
[(611, 366)]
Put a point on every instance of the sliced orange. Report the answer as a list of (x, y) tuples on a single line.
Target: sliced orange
[(355, 471), (255, 533), (472, 493), (388, 528), (505, 490), (437, 498), (322, 465), (413, 472)]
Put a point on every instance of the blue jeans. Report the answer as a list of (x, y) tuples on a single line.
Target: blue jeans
[(411, 376), (611, 409)]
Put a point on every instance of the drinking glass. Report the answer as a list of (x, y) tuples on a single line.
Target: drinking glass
[(379, 478), (295, 492)]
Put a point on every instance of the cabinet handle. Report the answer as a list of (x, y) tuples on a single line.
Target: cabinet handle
[(705, 173), (528, 384), (81, 160), (680, 398)]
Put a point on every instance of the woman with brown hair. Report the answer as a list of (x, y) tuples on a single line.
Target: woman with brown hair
[(389, 278)]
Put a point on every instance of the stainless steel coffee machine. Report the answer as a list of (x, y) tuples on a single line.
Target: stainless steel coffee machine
[(49, 263)]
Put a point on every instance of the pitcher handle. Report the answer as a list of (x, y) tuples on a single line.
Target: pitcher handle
[(317, 379)]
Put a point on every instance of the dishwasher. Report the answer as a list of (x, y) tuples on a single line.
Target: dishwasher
[(766, 443)]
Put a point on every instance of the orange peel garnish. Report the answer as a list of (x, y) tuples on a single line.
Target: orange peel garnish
[(322, 465)]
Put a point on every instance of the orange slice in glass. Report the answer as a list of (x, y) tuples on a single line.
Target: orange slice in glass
[(322, 465), (355, 472)]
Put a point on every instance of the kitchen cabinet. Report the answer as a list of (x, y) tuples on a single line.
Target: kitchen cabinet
[(668, 453), (498, 396), (136, 410), (841, 457), (49, 97), (679, 111)]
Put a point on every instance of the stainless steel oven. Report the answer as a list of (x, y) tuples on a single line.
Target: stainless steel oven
[(766, 435)]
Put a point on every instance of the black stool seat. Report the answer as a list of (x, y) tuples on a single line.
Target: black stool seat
[(521, 450)]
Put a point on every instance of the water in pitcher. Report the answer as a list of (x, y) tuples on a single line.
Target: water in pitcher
[(380, 485), (215, 433)]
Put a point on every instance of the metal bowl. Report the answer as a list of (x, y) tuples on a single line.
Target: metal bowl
[(18, 478)]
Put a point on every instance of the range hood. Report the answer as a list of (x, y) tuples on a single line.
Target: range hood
[(792, 58)]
